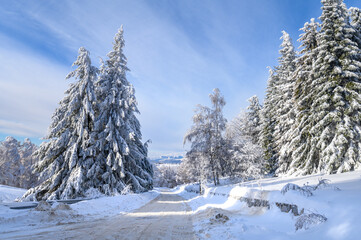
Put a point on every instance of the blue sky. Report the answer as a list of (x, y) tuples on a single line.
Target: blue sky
[(177, 50)]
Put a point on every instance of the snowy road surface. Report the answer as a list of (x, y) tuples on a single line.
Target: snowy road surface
[(165, 217)]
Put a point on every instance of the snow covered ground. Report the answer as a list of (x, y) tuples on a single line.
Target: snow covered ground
[(339, 202), (9, 194), (217, 216), (30, 219)]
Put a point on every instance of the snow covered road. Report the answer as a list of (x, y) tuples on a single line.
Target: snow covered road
[(165, 217)]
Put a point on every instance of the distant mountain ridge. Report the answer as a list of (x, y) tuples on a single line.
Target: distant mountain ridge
[(169, 159)]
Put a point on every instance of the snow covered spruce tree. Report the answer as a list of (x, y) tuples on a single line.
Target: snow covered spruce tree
[(252, 123), (268, 123), (11, 168), (301, 141), (285, 102), (119, 136), (278, 114), (303, 74), (16, 163), (29, 178), (71, 149), (208, 146), (335, 97), (356, 23)]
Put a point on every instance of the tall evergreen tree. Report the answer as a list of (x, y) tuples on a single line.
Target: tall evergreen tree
[(71, 147), (286, 105), (119, 129), (29, 178), (268, 124), (356, 23), (11, 168), (278, 115), (16, 163), (252, 125), (300, 140), (335, 96)]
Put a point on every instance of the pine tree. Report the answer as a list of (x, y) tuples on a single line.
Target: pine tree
[(299, 138), (268, 124), (16, 163), (118, 127), (356, 23), (303, 73), (29, 178), (252, 126), (71, 148), (335, 99), (286, 113), (11, 169)]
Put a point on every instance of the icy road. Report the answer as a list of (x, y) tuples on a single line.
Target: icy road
[(165, 217)]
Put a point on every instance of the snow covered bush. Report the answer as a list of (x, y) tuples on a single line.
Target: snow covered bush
[(294, 187), (307, 190), (322, 183), (189, 169), (165, 175), (192, 188), (307, 221)]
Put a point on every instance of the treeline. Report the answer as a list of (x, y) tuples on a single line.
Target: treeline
[(310, 121), (16, 163), (311, 117)]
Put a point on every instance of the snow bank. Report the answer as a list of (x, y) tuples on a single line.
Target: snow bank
[(43, 217), (9, 194), (339, 202), (110, 206), (224, 197)]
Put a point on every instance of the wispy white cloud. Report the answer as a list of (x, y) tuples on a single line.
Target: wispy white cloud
[(31, 86), (174, 65), (19, 128), (169, 75)]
